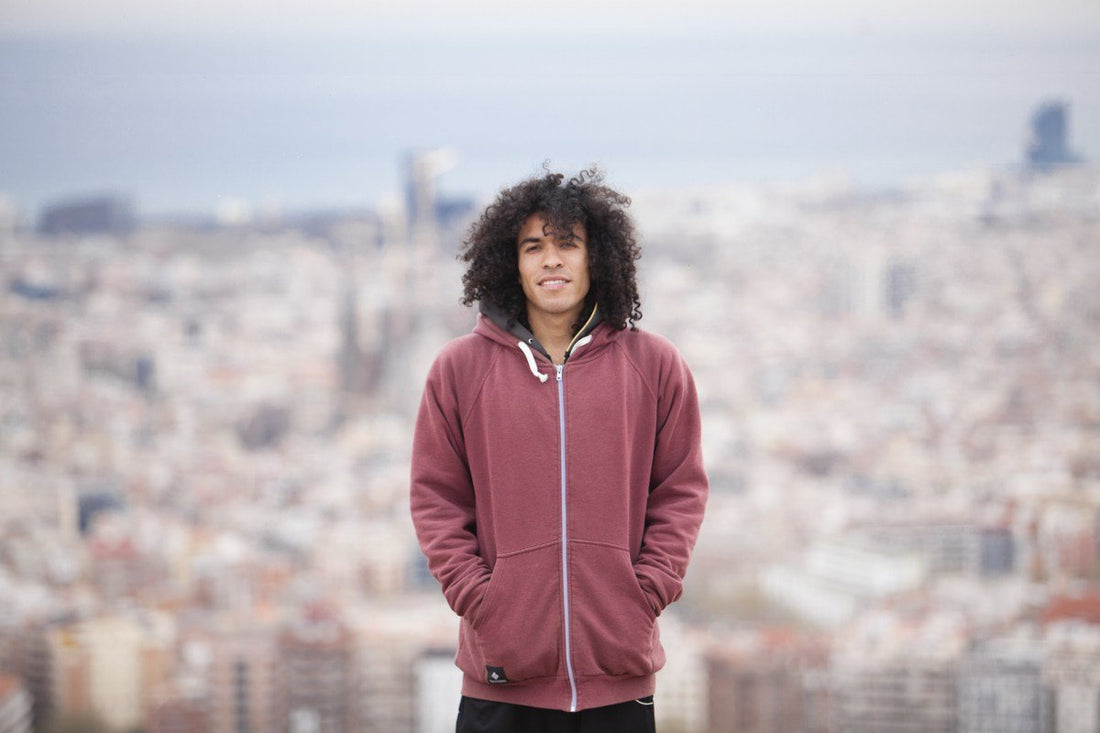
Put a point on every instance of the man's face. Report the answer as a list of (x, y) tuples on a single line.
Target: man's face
[(553, 269)]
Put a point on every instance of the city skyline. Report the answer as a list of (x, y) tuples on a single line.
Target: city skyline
[(884, 283), (207, 432)]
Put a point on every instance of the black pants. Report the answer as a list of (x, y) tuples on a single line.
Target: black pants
[(483, 716)]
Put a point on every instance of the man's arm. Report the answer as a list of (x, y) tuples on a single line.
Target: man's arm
[(441, 496), (678, 489)]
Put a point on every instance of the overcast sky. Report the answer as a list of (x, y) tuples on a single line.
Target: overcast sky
[(314, 102), (476, 17)]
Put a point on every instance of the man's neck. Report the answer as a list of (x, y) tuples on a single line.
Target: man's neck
[(554, 332)]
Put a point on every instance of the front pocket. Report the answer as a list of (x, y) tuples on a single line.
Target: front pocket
[(614, 628), (518, 626)]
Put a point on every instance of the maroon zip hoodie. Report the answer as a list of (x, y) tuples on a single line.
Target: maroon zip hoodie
[(558, 507)]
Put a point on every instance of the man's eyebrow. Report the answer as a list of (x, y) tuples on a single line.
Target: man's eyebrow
[(568, 237)]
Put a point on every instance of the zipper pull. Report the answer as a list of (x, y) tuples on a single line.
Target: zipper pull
[(558, 368)]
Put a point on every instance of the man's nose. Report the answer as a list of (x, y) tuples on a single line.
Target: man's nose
[(552, 257)]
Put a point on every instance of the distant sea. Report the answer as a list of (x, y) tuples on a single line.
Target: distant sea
[(183, 124)]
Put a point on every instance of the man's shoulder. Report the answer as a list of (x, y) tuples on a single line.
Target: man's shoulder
[(461, 345), (464, 355), (647, 345), (652, 356)]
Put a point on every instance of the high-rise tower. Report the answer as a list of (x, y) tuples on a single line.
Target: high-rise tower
[(1048, 145)]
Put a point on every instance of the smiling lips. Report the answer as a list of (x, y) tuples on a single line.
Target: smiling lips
[(553, 283)]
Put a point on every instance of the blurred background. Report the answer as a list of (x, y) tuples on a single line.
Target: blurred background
[(227, 257)]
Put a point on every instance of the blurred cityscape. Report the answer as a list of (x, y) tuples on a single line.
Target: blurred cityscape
[(205, 432)]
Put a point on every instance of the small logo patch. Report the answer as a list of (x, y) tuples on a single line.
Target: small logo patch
[(495, 675)]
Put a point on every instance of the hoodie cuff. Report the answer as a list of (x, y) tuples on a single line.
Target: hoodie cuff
[(661, 589), (465, 597)]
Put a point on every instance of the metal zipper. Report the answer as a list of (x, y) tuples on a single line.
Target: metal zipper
[(579, 334), (564, 546)]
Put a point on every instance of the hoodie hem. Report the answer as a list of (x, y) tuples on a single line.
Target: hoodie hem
[(554, 693)]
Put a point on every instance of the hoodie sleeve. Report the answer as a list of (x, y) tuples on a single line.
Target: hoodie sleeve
[(441, 494), (678, 487)]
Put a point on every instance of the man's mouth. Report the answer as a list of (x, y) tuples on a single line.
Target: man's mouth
[(553, 283)]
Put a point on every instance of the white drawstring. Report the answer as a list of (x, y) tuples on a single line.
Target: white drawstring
[(531, 361), (583, 342)]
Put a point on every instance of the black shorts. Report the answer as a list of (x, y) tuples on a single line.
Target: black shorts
[(484, 716)]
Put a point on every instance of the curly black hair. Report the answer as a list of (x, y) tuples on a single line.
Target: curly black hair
[(490, 248)]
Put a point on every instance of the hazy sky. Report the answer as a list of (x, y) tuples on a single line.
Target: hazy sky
[(476, 17), (310, 103)]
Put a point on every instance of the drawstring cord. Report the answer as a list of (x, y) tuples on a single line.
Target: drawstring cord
[(531, 361), (573, 346), (533, 365)]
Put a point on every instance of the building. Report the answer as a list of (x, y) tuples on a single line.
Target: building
[(10, 220), (906, 695), (236, 662), (34, 663), (756, 683), (840, 575), (1048, 146), (111, 666), (1072, 672), (998, 551), (95, 215), (683, 681), (316, 676), (896, 670), (407, 678), (950, 547), (15, 705), (182, 715), (1067, 538), (438, 688), (1001, 690), (899, 287)]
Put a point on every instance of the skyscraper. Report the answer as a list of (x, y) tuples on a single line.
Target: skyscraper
[(1048, 146)]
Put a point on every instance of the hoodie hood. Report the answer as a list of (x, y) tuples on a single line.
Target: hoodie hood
[(523, 334), (497, 326)]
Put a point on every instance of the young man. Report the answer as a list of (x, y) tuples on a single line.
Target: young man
[(557, 478)]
